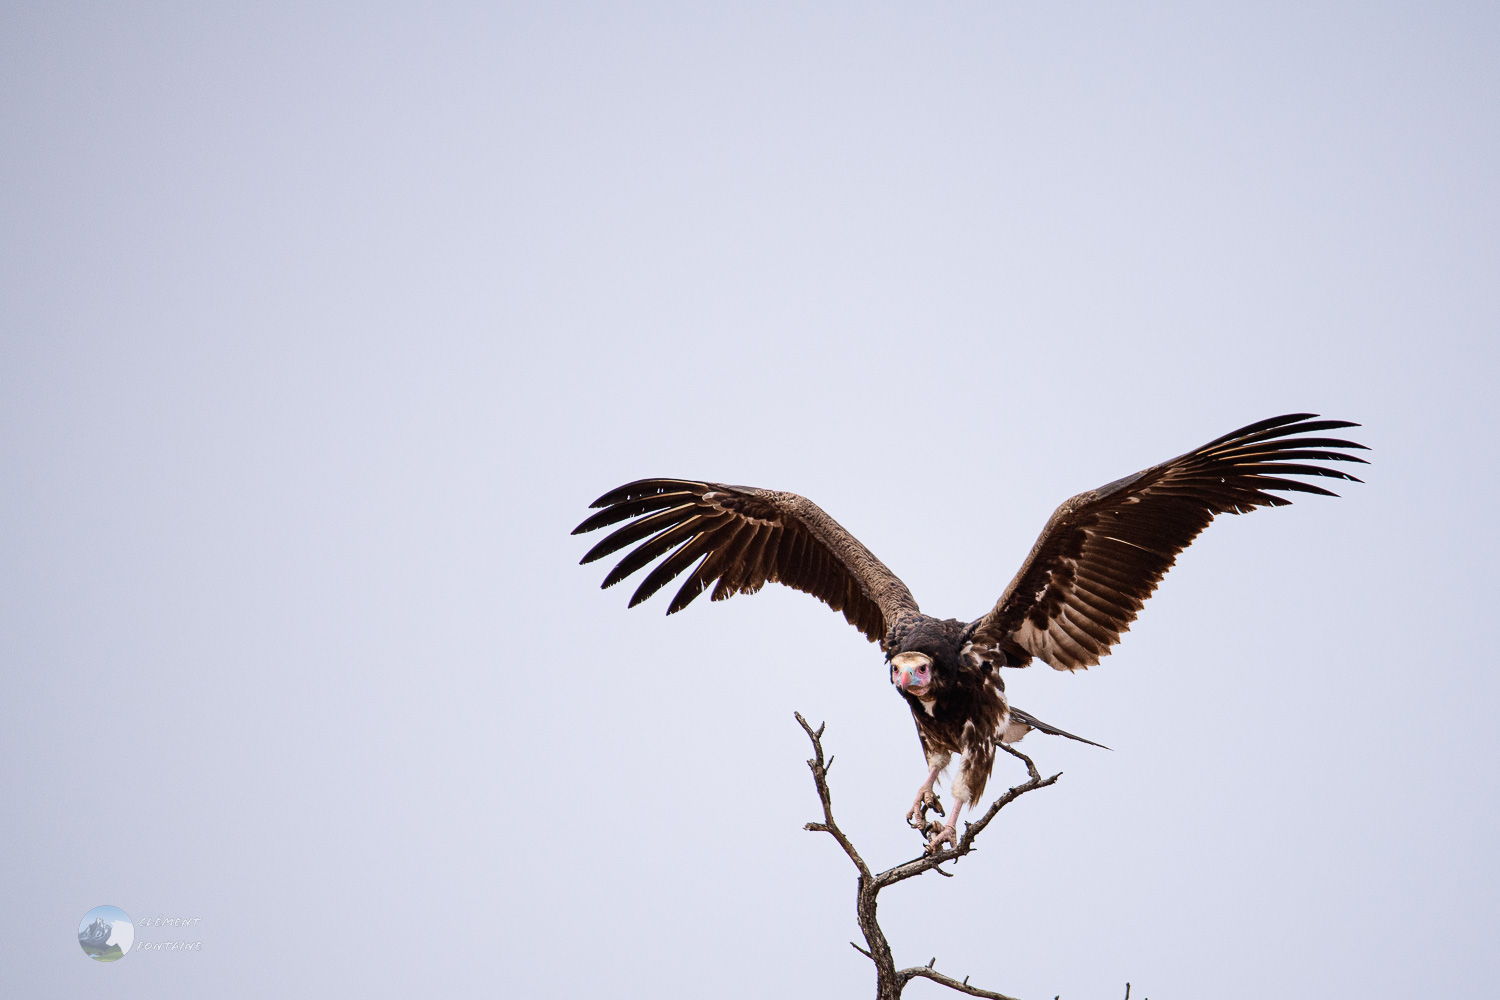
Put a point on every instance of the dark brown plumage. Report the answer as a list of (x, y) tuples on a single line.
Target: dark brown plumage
[(1100, 556), (1103, 552), (739, 538)]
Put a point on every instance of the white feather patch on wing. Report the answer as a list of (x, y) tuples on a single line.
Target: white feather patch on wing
[(975, 656)]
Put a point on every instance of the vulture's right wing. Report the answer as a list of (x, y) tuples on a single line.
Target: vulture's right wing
[(744, 538)]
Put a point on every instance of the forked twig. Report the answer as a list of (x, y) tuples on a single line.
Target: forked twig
[(890, 981)]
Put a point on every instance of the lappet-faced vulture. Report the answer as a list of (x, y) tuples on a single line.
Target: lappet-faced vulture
[(1100, 556)]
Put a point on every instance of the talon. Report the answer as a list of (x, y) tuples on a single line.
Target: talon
[(947, 835), (916, 816)]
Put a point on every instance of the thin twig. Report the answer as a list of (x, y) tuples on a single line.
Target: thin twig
[(820, 778), (927, 972)]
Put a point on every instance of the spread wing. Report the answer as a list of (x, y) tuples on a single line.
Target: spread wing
[(1103, 552), (737, 539)]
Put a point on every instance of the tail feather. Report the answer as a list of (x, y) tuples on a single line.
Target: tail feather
[(1025, 722)]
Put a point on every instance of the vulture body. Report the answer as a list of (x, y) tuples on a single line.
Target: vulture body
[(1100, 556)]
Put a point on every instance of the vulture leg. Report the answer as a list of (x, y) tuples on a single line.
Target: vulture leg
[(968, 785), (926, 798)]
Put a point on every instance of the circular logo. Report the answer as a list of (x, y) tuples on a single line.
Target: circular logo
[(106, 933)]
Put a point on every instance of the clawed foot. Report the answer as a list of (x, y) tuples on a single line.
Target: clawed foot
[(947, 835), (916, 817)]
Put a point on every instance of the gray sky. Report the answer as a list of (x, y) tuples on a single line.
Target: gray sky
[(323, 326)]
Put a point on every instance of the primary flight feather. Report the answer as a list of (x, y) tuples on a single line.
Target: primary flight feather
[(1098, 559)]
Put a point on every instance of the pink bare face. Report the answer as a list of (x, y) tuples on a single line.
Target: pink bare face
[(912, 673)]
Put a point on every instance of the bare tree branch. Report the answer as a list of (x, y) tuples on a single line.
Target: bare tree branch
[(925, 972), (889, 981), (927, 862), (820, 778)]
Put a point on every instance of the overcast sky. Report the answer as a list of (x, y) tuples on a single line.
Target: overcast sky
[(323, 325)]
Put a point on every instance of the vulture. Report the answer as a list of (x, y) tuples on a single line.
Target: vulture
[(1101, 554)]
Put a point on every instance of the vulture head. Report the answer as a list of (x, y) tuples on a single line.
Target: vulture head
[(913, 674), (927, 659)]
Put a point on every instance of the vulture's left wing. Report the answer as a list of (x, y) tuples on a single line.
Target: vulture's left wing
[(1103, 552), (737, 539)]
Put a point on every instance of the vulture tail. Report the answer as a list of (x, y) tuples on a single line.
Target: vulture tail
[(1025, 722)]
